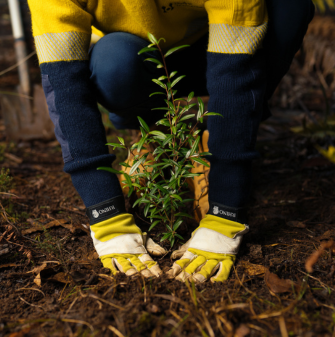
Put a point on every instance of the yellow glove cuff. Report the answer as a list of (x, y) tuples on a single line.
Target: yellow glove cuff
[(115, 226), (226, 227)]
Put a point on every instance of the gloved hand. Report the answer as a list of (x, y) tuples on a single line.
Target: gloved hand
[(210, 253), (122, 247)]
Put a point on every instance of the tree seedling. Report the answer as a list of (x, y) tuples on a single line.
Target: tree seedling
[(161, 180)]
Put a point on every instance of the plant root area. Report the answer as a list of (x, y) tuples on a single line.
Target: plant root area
[(53, 284)]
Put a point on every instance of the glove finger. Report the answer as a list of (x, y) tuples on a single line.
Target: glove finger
[(195, 265), (206, 271), (224, 270), (191, 268), (181, 251), (152, 266), (124, 266), (108, 263), (179, 265), (174, 271), (147, 273), (136, 262), (154, 249)]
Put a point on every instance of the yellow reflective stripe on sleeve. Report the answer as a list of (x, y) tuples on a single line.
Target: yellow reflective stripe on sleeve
[(229, 39), (67, 46)]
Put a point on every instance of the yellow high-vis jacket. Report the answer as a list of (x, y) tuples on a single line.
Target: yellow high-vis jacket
[(62, 28)]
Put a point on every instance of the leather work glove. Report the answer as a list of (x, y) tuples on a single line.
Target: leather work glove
[(122, 247), (210, 253)]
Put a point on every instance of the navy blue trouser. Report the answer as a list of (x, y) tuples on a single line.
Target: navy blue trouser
[(123, 83)]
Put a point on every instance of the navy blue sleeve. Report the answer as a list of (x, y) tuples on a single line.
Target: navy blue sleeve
[(79, 129), (236, 84)]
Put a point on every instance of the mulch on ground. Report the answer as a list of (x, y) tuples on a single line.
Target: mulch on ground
[(53, 284)]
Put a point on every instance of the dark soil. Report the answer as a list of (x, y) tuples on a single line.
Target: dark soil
[(292, 212)]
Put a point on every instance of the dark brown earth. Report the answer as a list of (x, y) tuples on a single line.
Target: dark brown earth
[(52, 284)]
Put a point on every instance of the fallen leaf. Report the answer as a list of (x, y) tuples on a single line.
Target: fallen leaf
[(312, 259), (38, 227), (296, 224), (37, 280), (253, 269), (61, 277), (37, 270), (276, 284)]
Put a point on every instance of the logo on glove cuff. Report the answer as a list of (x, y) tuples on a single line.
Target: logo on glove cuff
[(216, 211), (96, 213)]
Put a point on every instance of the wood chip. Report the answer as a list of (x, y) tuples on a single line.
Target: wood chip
[(61, 277), (38, 227), (277, 285), (253, 269)]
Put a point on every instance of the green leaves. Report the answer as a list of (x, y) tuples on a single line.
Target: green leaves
[(155, 61), (109, 169), (146, 49), (121, 140), (158, 134), (213, 114), (140, 144), (190, 96), (194, 147), (157, 93), (201, 161), (186, 117), (161, 84), (136, 165), (177, 80), (159, 173), (144, 124), (172, 50), (116, 145), (152, 39)]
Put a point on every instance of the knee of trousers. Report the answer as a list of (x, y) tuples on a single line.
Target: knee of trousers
[(116, 69), (303, 15), (288, 23)]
